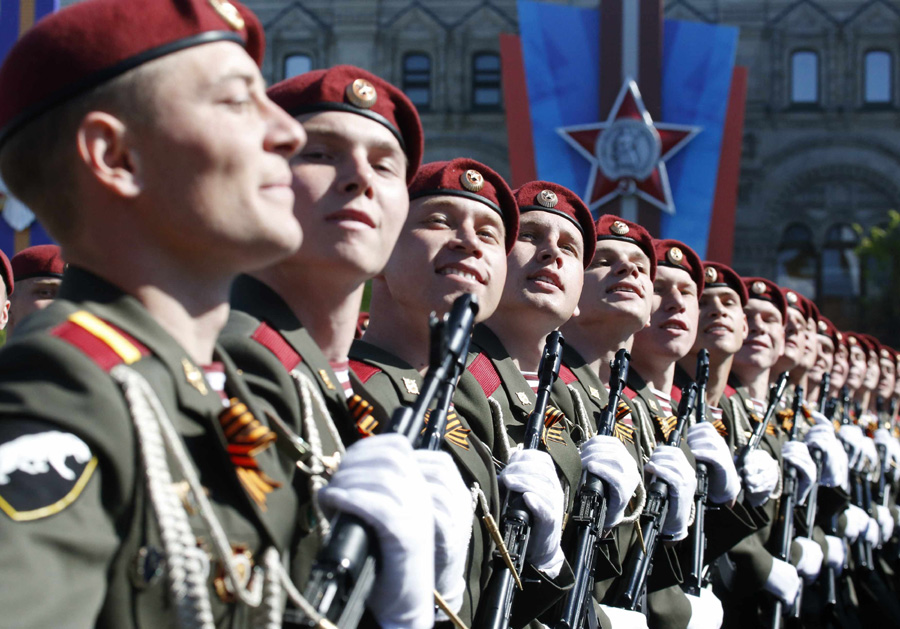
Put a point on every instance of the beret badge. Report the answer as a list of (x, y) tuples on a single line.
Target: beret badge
[(791, 298), (472, 180), (547, 199), (675, 255), (851, 340), (823, 327), (361, 94), (619, 228), (711, 274), (229, 13), (758, 288)]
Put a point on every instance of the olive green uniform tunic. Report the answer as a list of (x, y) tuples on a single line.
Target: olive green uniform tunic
[(75, 533)]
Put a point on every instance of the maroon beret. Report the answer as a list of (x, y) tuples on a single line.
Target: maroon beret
[(551, 197), (718, 275), (8, 277), (677, 255), (38, 261), (352, 89), (870, 343), (767, 290), (73, 50), (464, 177), (826, 328), (611, 227), (810, 309), (794, 300), (853, 338)]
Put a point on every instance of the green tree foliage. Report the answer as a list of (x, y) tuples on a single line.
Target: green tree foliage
[(879, 252)]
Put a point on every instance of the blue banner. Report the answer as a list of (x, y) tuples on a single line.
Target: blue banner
[(561, 49)]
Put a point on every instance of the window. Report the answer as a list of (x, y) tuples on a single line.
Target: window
[(878, 84), (796, 261), (840, 264), (296, 64), (804, 77), (417, 79), (486, 82)]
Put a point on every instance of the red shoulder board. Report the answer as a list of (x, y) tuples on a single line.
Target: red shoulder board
[(631, 393), (363, 371), (100, 341), (271, 339), (566, 374), (485, 373), (729, 390)]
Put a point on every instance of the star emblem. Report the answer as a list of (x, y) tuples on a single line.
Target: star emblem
[(628, 152)]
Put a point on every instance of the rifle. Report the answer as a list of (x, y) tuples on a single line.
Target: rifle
[(812, 506), (343, 574), (698, 535), (760, 429), (785, 520), (655, 511), (862, 550), (497, 601), (589, 514), (824, 390), (881, 494)]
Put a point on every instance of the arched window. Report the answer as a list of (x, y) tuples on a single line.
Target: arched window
[(840, 276), (417, 79), (296, 64), (804, 77), (878, 74), (486, 82), (796, 261)]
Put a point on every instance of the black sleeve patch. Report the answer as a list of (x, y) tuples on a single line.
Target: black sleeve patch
[(42, 470)]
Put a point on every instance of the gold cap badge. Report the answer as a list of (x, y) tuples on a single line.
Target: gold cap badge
[(711, 274), (362, 94), (851, 340), (823, 327), (547, 199), (885, 353), (675, 255), (758, 287), (840, 336), (229, 13), (618, 228), (791, 298), (472, 180)]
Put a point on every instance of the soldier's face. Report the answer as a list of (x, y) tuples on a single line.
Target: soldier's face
[(352, 200), (617, 286), (896, 379), (214, 165), (673, 322), (722, 325), (794, 338), (4, 306), (887, 380), (31, 295), (545, 271), (765, 337), (824, 361), (840, 368), (811, 351), (856, 367), (448, 246), (873, 372)]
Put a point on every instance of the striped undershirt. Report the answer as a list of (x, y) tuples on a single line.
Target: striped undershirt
[(532, 378), (215, 377), (341, 369), (665, 402)]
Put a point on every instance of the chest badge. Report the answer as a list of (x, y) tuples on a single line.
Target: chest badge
[(326, 380), (595, 392), (194, 376), (523, 398), (412, 387)]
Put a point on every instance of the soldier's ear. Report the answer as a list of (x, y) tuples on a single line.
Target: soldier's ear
[(105, 150)]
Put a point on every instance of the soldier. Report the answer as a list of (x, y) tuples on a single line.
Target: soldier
[(38, 272), (6, 290), (144, 486), (293, 322), (826, 346)]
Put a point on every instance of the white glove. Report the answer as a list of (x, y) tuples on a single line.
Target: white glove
[(608, 458), (892, 447), (625, 618), (797, 454), (783, 582), (885, 521), (870, 452), (706, 611), (760, 476), (853, 437), (835, 465), (452, 524), (708, 446), (380, 483), (811, 557), (532, 474), (872, 532), (672, 467), (857, 521), (837, 552), (821, 420)]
